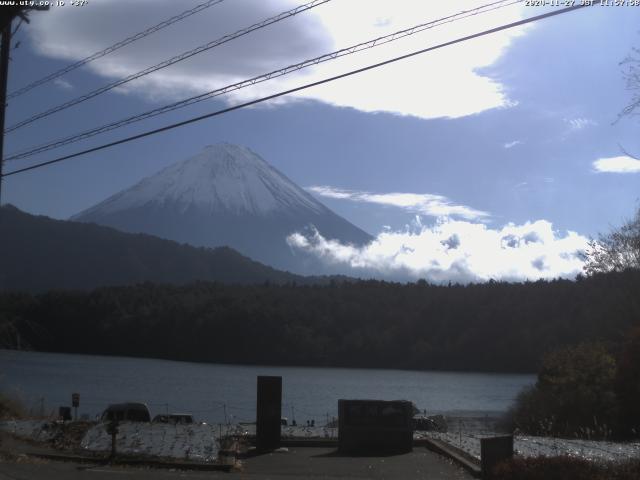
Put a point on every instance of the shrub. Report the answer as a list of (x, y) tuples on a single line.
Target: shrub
[(573, 395), (534, 412), (565, 468), (11, 407), (627, 387)]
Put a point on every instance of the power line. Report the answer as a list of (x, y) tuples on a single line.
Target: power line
[(169, 62), (114, 47), (261, 78), (303, 87)]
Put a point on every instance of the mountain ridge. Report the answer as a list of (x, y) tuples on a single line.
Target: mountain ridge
[(43, 253)]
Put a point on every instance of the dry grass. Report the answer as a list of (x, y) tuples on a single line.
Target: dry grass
[(563, 468), (11, 407)]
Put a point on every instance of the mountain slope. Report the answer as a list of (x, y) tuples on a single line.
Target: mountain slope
[(41, 253), (226, 195)]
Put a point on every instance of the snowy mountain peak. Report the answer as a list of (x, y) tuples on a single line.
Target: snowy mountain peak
[(221, 178), (225, 195)]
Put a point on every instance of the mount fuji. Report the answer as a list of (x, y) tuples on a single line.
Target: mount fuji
[(226, 196)]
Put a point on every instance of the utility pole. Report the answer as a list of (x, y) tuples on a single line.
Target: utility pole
[(4, 74), (7, 14)]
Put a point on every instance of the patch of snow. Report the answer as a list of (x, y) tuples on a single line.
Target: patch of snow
[(196, 442), (290, 431), (530, 446), (32, 429)]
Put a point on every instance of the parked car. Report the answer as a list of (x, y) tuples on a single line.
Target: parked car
[(174, 418), (433, 423), (126, 412)]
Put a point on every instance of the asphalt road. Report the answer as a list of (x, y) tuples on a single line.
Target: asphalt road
[(320, 463)]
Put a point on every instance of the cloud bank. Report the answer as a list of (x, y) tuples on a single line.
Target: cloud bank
[(457, 251), (422, 203), (443, 83)]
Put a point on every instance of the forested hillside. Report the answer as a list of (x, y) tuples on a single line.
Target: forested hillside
[(490, 327)]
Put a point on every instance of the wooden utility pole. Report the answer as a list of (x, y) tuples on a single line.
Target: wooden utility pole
[(7, 14), (4, 75)]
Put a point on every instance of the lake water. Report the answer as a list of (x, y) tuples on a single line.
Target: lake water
[(216, 393)]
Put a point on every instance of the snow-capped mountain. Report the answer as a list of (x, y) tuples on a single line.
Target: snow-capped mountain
[(225, 195)]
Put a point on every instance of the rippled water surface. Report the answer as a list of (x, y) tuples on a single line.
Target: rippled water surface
[(215, 393)]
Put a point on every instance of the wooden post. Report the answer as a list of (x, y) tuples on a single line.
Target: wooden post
[(112, 429)]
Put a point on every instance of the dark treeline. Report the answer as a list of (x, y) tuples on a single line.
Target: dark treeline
[(483, 327)]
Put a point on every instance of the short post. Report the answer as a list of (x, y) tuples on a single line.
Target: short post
[(75, 402), (494, 450), (269, 412), (112, 429)]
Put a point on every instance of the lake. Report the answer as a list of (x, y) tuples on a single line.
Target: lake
[(217, 393)]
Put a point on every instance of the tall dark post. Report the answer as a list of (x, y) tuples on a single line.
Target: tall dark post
[(75, 402), (4, 73), (112, 429), (269, 411)]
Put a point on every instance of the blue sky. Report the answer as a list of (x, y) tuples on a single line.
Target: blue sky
[(510, 136)]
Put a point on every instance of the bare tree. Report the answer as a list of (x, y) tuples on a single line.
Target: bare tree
[(631, 74), (617, 250)]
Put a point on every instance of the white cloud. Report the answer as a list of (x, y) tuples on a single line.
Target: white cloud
[(511, 144), (458, 251), (442, 83), (577, 124), (621, 164), (63, 84), (423, 203)]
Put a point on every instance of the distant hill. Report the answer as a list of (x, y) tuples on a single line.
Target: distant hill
[(227, 195), (40, 253)]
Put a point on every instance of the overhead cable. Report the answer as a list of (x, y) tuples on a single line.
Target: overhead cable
[(260, 78), (300, 88), (114, 47), (166, 63)]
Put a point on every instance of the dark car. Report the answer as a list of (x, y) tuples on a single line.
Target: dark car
[(174, 418), (126, 412)]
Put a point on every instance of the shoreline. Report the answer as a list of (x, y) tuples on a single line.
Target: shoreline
[(275, 365)]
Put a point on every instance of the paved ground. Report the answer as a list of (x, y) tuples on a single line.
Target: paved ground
[(320, 463), (325, 463), (296, 462)]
